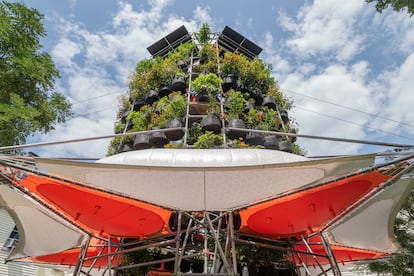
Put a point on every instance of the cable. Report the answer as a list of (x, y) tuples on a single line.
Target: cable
[(349, 122), (92, 112), (350, 108), (96, 97)]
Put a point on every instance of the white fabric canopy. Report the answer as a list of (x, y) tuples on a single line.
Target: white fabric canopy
[(204, 179), (40, 231), (371, 226)]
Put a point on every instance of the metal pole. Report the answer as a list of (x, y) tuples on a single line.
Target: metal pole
[(177, 243), (82, 254), (220, 249), (331, 256), (109, 257), (233, 244), (313, 256)]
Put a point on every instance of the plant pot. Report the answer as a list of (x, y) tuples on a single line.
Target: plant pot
[(203, 97), (151, 97), (124, 116), (126, 146), (203, 58), (211, 123), (286, 146), (248, 106), (229, 82), (178, 84), (173, 221), (270, 102), (293, 138), (129, 125), (164, 91), (244, 89), (141, 142), (257, 96), (174, 134), (138, 103), (182, 64), (236, 134), (254, 139), (284, 116), (157, 139), (271, 142)]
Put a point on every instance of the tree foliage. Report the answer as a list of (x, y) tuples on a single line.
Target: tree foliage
[(27, 77), (397, 5)]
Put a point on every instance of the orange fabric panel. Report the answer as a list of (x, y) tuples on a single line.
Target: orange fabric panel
[(102, 213), (309, 210), (70, 257)]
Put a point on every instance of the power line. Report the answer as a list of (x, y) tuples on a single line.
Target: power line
[(350, 108), (96, 97), (92, 112), (353, 123)]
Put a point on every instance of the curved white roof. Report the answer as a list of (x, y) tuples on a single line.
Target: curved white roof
[(210, 179), (202, 157)]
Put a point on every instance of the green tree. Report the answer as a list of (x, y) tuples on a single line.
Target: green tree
[(397, 5), (27, 77)]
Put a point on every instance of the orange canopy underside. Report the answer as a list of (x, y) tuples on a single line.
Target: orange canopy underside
[(107, 214), (100, 212), (309, 210)]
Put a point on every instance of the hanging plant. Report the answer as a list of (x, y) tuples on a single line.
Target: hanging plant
[(207, 82), (208, 140), (235, 104)]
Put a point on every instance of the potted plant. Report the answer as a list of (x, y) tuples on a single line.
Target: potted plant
[(208, 140), (178, 83), (174, 109), (140, 121), (229, 82), (209, 83), (235, 106)]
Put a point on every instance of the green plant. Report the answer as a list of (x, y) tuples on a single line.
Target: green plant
[(208, 140), (176, 108), (141, 119), (193, 133), (207, 82), (236, 103), (203, 35)]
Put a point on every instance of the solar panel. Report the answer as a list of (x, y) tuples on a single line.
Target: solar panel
[(170, 42), (232, 41)]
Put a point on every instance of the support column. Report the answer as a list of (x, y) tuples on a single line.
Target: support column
[(331, 256), (82, 254)]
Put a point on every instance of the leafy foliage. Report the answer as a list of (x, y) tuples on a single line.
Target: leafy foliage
[(27, 77), (397, 5), (208, 140)]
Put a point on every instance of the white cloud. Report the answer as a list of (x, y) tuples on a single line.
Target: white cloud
[(320, 102), (96, 65), (325, 28), (65, 51)]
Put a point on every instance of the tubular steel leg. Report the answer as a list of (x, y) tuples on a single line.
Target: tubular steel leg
[(109, 257), (177, 244), (331, 256), (313, 256), (82, 254), (220, 249), (233, 244), (187, 234)]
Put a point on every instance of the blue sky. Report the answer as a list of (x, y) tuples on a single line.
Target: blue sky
[(348, 69)]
